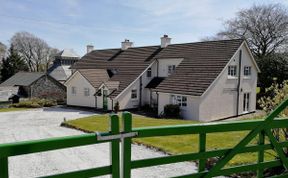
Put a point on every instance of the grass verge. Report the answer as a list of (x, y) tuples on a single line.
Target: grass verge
[(173, 144), (12, 109)]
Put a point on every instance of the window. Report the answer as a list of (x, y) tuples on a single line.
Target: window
[(246, 102), (149, 72), (180, 100), (232, 70), (73, 90), (247, 71), (171, 69), (86, 92), (134, 94)]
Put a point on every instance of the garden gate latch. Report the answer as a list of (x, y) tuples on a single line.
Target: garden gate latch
[(118, 136)]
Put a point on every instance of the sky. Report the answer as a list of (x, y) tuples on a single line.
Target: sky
[(106, 23)]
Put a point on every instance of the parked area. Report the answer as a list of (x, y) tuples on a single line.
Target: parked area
[(45, 123)]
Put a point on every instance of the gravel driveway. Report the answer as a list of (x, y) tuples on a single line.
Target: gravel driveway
[(44, 123)]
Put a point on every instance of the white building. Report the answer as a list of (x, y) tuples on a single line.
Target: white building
[(208, 80)]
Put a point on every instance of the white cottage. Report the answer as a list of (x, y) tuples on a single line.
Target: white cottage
[(208, 80)]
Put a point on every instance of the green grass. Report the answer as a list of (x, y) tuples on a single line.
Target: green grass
[(12, 109), (173, 144)]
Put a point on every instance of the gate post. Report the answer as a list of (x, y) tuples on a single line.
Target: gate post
[(126, 145), (4, 167), (114, 147)]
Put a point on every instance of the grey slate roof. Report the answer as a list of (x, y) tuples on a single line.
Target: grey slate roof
[(202, 63), (22, 79), (61, 72), (67, 53)]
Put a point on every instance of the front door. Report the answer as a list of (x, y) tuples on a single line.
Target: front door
[(246, 102), (105, 102)]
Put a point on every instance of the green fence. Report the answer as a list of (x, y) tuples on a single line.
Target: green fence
[(260, 129)]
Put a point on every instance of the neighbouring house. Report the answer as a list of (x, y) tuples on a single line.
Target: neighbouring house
[(209, 80), (60, 70), (36, 85)]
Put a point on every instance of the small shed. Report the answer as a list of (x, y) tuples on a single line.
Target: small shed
[(36, 85)]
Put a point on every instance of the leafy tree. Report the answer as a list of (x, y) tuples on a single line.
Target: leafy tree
[(12, 64)]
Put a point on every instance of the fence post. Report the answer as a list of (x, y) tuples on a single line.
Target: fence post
[(202, 148), (114, 146), (126, 145), (4, 167), (261, 153)]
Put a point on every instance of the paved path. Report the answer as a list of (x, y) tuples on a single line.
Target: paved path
[(44, 123)]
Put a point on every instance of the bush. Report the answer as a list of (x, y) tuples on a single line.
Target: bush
[(172, 110), (277, 93), (35, 103)]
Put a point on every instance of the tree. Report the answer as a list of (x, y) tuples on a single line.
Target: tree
[(35, 51), (12, 64), (265, 27), (2, 51)]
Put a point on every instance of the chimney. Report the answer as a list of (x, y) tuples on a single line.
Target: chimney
[(165, 41), (126, 44), (90, 48)]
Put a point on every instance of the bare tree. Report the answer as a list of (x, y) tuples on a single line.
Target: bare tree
[(265, 27), (34, 50)]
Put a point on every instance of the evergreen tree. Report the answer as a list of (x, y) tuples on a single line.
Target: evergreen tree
[(12, 64)]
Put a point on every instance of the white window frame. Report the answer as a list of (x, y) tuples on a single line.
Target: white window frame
[(232, 71), (179, 99), (247, 71), (149, 72), (86, 92), (171, 69), (134, 94), (73, 90), (246, 102)]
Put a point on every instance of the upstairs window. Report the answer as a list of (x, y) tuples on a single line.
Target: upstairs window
[(134, 94), (149, 72), (247, 71), (171, 69), (232, 71), (73, 90), (86, 92)]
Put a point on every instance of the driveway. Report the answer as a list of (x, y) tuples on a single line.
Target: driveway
[(44, 123)]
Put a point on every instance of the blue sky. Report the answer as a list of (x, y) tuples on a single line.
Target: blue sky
[(76, 23)]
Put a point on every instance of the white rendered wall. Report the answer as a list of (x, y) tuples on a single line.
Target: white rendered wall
[(79, 99)]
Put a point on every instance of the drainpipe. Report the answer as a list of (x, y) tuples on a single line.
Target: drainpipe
[(239, 82), (157, 67), (140, 93), (112, 105)]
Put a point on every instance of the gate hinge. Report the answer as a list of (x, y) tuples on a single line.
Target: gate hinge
[(118, 136)]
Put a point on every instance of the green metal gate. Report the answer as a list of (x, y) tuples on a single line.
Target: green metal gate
[(260, 129)]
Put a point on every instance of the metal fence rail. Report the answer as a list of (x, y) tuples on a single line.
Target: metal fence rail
[(259, 129)]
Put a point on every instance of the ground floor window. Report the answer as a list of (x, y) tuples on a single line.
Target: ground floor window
[(86, 92), (246, 102), (180, 100)]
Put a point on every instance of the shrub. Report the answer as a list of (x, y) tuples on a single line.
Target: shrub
[(172, 110), (116, 107), (35, 103), (276, 94)]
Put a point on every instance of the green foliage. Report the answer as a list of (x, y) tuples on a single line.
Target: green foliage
[(276, 94), (12, 64), (172, 110), (274, 68), (35, 103)]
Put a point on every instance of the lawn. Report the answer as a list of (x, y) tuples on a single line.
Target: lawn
[(173, 144), (12, 109)]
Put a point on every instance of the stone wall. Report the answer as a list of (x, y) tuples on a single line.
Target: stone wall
[(47, 87)]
